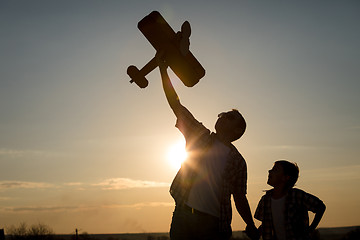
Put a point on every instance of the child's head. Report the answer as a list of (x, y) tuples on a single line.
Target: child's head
[(232, 124), (283, 172)]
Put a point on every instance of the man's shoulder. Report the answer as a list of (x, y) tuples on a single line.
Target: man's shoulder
[(235, 156), (234, 152)]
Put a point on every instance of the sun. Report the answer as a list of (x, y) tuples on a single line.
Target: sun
[(176, 154)]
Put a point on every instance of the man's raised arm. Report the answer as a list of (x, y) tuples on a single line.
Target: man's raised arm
[(169, 90)]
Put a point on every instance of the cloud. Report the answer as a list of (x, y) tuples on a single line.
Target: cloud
[(5, 198), (125, 183), (147, 204), (287, 147), (332, 174), (40, 209), (74, 184), (107, 184), (35, 209), (13, 153), (21, 184)]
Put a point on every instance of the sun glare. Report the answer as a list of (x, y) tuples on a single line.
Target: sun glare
[(176, 154)]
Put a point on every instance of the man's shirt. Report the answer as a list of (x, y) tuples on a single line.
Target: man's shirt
[(205, 193)]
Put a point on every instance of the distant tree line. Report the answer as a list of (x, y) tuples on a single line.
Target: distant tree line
[(43, 232), (34, 232)]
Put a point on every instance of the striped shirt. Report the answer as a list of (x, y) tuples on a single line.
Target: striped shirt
[(297, 205), (199, 139)]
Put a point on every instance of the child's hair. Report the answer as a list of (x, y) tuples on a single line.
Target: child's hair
[(291, 170)]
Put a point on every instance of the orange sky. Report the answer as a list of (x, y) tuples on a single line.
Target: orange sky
[(80, 147)]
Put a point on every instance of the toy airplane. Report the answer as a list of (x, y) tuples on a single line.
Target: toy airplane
[(176, 51)]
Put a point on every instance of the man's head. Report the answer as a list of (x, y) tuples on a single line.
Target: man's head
[(230, 125), (285, 173)]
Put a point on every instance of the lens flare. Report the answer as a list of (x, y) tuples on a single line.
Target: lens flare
[(177, 154)]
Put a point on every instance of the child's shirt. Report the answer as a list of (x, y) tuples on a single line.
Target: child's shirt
[(278, 216), (297, 205)]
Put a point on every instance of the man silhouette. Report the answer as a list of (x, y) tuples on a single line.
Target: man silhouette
[(213, 172)]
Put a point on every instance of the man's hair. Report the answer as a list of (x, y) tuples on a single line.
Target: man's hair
[(241, 124), (291, 170)]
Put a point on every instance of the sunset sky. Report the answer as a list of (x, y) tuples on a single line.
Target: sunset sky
[(81, 147)]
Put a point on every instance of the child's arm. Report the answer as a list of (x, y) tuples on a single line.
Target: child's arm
[(318, 215), (315, 205)]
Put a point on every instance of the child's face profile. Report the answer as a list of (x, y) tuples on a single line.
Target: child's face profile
[(276, 176)]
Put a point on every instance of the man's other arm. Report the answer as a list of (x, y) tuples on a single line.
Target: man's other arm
[(243, 208)]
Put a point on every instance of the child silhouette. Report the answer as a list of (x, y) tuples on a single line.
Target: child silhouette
[(283, 210)]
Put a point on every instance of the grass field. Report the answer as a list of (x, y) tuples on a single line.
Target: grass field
[(340, 233)]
